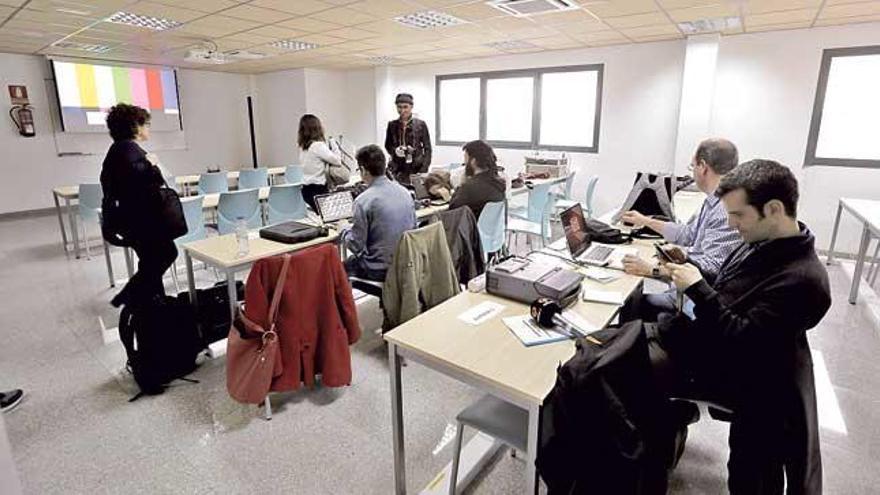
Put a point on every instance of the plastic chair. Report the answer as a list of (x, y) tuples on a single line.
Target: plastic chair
[(213, 182), (195, 226), (294, 174), (501, 420), (89, 209), (536, 220), (238, 204), (564, 204), (253, 178), (491, 227), (285, 203)]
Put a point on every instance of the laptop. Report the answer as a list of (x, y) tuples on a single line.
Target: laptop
[(580, 246), (335, 206), (418, 184)]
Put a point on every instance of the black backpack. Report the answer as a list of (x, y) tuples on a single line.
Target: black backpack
[(161, 341)]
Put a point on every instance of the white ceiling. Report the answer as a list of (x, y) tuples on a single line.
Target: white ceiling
[(353, 33)]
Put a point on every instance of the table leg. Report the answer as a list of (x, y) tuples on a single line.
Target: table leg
[(129, 263), (532, 447), (834, 233), (109, 264), (60, 221), (233, 294), (397, 421), (71, 217), (860, 264)]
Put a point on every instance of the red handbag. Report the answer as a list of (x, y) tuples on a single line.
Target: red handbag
[(252, 352)]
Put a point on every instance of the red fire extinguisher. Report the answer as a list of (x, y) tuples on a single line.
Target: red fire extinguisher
[(23, 117)]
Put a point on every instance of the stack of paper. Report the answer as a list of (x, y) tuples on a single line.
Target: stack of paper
[(529, 333)]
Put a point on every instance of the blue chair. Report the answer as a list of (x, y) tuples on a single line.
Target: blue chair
[(253, 178), (536, 219), (285, 203), (564, 204), (238, 204), (195, 226), (294, 174), (213, 182), (491, 226), (89, 209)]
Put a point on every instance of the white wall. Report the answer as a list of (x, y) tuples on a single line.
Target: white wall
[(640, 104), (214, 120), (280, 102), (360, 107), (765, 89)]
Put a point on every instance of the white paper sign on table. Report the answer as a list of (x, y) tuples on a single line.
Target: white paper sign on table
[(481, 313)]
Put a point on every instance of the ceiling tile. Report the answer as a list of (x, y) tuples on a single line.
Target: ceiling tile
[(275, 32), (565, 18), (507, 23), (620, 7), (836, 21), (646, 31), (478, 50), (320, 39), (298, 7), (778, 27), (601, 37), (686, 4), (707, 12), (638, 20), (762, 6), (343, 16), (309, 25), (56, 18), (850, 10), (473, 11), (661, 37), (249, 37), (84, 7), (351, 34), (583, 27), (555, 42), (784, 17), (256, 14), (219, 25), (385, 8), (164, 11), (358, 45), (209, 6), (12, 3)]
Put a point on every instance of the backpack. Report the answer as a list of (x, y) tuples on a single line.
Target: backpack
[(161, 341)]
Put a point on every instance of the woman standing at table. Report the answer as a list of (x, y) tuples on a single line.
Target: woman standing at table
[(315, 156), (129, 178)]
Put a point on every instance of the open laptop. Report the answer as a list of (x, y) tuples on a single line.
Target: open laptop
[(580, 246), (418, 184), (335, 206)]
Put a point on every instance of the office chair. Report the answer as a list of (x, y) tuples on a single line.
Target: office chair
[(238, 204), (212, 183), (253, 178), (285, 203)]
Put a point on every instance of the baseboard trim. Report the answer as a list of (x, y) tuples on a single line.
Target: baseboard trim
[(19, 215)]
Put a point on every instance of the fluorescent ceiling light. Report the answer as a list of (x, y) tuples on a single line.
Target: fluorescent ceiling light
[(524, 8), (294, 45), (427, 19), (512, 45), (85, 47), (712, 25), (143, 21)]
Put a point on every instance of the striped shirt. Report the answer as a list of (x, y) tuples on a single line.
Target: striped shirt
[(708, 237)]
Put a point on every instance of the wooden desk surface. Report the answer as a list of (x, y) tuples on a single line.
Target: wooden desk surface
[(866, 210), (212, 200), (490, 352), (67, 192), (222, 251)]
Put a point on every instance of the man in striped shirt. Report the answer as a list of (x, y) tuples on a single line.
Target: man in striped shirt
[(706, 240)]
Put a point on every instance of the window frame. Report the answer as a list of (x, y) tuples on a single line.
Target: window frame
[(810, 158), (537, 77)]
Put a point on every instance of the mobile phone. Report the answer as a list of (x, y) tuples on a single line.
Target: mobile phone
[(663, 254)]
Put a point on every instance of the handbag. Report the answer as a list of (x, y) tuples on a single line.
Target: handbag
[(605, 234), (170, 222), (252, 352), (337, 175)]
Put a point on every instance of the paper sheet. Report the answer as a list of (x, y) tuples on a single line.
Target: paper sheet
[(481, 313), (603, 296), (529, 333)]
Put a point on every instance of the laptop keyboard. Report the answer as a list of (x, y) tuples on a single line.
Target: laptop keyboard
[(598, 253)]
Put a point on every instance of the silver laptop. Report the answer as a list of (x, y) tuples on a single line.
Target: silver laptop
[(580, 246)]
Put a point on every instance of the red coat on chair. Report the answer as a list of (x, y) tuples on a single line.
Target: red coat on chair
[(317, 318)]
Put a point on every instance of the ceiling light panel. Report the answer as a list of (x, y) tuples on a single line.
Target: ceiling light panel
[(83, 47), (428, 19), (294, 45), (143, 21), (713, 25)]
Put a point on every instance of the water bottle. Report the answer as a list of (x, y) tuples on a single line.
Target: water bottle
[(241, 235)]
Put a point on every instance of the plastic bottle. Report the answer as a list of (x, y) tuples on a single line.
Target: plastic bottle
[(241, 236)]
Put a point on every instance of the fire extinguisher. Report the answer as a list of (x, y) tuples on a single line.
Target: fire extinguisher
[(23, 117)]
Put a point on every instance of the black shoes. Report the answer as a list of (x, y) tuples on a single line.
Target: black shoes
[(9, 400)]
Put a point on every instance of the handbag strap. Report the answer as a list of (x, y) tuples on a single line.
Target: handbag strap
[(276, 295)]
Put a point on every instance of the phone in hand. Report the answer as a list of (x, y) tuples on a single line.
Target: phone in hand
[(663, 255)]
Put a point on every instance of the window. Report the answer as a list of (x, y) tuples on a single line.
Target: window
[(846, 115), (551, 109)]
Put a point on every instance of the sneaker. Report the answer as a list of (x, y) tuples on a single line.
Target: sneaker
[(9, 400)]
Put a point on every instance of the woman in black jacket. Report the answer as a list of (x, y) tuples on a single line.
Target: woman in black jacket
[(128, 177)]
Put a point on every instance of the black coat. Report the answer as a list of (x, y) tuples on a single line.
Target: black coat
[(416, 135), (463, 238), (748, 346), (128, 177), (478, 190)]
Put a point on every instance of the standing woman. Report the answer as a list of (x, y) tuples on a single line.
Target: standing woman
[(129, 179), (315, 156)]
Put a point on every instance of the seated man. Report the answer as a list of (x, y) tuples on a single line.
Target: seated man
[(707, 236), (747, 347), (382, 213), (482, 183)]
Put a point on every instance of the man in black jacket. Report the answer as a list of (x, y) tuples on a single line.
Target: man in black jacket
[(407, 142), (747, 346)]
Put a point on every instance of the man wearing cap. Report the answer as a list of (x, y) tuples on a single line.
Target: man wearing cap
[(407, 142)]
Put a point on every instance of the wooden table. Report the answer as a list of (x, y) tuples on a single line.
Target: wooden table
[(537, 182), (866, 211)]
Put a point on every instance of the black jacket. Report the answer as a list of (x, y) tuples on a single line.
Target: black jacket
[(129, 178), (748, 344), (476, 191), (463, 238), (416, 135)]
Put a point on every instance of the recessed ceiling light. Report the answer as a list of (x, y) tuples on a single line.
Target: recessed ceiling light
[(294, 45), (85, 47), (712, 25), (523, 8), (511, 45), (143, 21), (428, 19)]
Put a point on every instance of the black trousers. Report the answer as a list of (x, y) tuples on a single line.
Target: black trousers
[(310, 191), (154, 258)]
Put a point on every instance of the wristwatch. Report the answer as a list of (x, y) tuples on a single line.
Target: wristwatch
[(655, 272)]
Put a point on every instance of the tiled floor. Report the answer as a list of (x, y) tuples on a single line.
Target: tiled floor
[(76, 432)]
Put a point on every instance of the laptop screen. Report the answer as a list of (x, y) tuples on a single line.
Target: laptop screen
[(575, 227), (335, 206), (418, 183)]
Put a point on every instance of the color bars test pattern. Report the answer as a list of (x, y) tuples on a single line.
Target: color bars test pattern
[(99, 87)]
